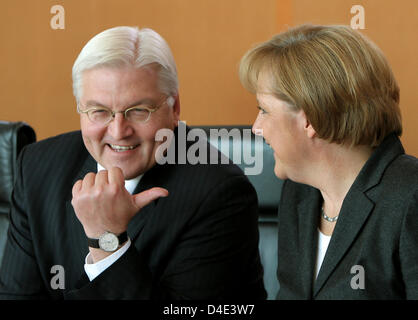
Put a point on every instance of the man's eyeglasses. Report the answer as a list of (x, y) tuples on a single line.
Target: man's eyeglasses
[(139, 114)]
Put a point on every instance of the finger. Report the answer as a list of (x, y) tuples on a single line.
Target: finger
[(88, 180), (145, 197), (115, 176), (77, 187), (101, 178)]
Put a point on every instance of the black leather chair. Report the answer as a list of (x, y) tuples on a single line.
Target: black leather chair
[(13, 137), (267, 185)]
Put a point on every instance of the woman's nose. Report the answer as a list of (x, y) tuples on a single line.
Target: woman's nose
[(256, 128)]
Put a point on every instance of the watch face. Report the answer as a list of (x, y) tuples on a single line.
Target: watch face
[(108, 242)]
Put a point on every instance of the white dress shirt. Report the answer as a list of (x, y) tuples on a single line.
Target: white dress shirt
[(323, 242), (94, 269)]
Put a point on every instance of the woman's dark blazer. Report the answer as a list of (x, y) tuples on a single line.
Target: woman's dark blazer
[(373, 252)]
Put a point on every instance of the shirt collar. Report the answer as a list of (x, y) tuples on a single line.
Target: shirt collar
[(130, 185)]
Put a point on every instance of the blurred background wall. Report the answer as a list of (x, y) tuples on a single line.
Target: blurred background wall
[(207, 37)]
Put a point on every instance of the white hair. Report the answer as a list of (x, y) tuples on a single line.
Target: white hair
[(127, 46)]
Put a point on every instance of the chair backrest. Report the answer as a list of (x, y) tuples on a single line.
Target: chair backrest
[(256, 159), (13, 137)]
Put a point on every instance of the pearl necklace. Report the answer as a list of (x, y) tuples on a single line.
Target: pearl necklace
[(328, 218)]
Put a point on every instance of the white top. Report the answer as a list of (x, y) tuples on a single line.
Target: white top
[(323, 242), (94, 269)]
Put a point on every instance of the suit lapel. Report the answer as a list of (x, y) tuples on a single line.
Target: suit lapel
[(139, 220), (354, 212), (307, 242), (89, 165), (155, 177)]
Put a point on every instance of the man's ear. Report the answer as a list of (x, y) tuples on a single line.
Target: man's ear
[(176, 110)]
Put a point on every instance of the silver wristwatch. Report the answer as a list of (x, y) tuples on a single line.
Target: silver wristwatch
[(108, 241)]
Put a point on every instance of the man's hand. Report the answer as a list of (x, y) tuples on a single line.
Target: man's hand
[(102, 203)]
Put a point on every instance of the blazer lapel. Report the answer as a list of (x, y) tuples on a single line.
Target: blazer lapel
[(354, 212), (89, 165), (139, 220), (156, 176), (307, 242)]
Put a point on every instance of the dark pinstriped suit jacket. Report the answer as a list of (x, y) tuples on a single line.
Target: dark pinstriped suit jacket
[(377, 229), (201, 242)]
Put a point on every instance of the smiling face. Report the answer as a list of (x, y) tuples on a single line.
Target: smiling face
[(285, 130), (122, 143)]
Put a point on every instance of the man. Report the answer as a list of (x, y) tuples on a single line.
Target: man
[(94, 215)]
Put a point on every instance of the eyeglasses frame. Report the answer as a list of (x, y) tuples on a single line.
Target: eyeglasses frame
[(125, 112)]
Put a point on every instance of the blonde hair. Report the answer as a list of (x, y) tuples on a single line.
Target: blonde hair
[(127, 46), (338, 77)]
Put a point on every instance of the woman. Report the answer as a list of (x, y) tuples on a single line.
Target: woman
[(348, 217)]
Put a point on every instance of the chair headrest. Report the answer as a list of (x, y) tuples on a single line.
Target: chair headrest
[(13, 137), (252, 151)]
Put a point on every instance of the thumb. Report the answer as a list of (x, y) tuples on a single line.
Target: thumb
[(145, 197)]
